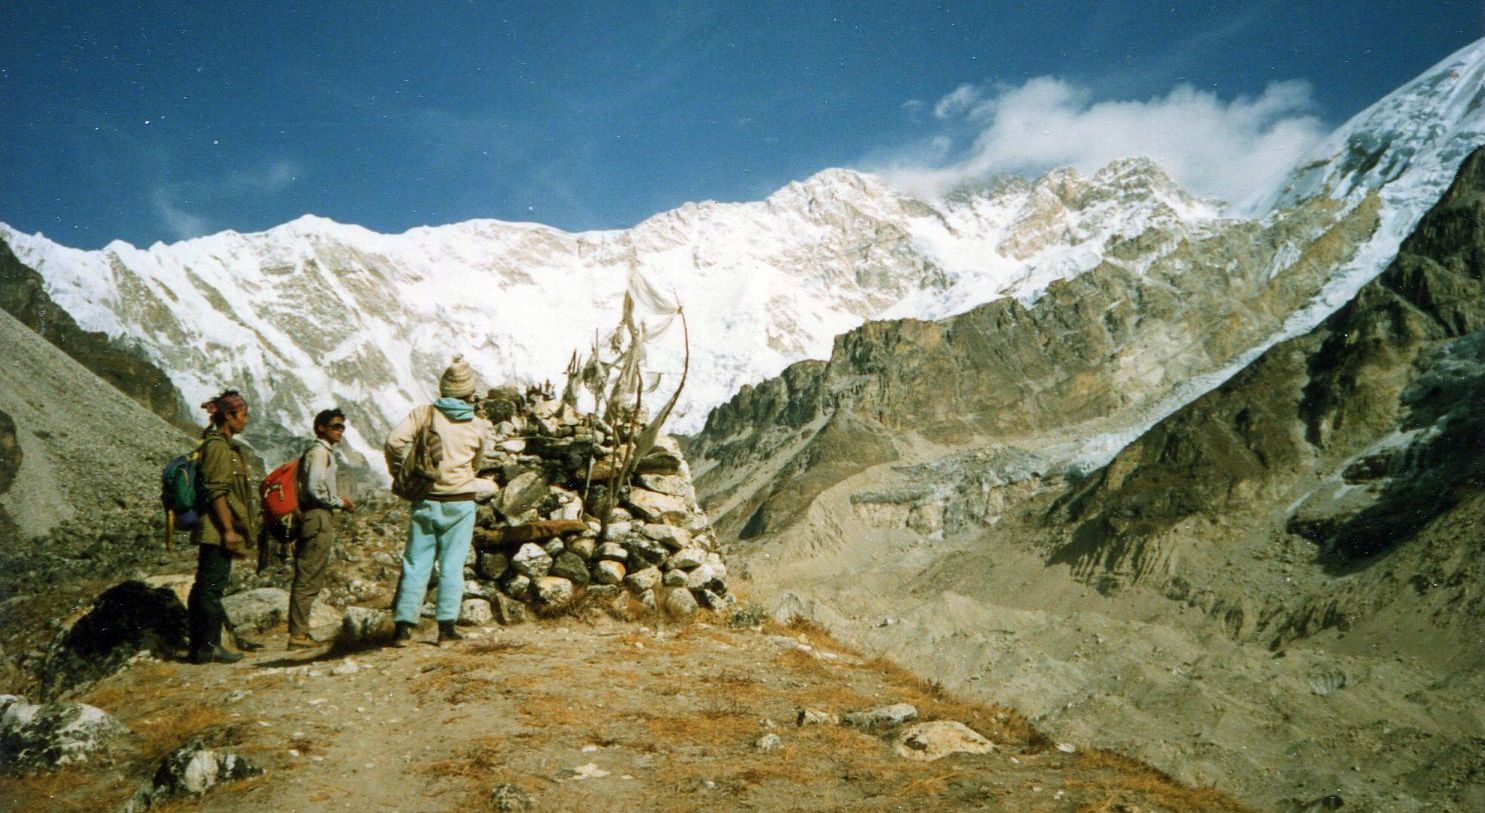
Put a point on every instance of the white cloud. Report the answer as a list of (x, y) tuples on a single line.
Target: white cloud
[(182, 224), (1224, 149)]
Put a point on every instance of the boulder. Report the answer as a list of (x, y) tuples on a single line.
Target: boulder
[(570, 566), (554, 547), (256, 610), (531, 561), (674, 578), (608, 572), (126, 618), (36, 738), (929, 741), (475, 612), (614, 551)]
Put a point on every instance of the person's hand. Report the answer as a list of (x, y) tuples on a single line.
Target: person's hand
[(347, 503), (235, 544)]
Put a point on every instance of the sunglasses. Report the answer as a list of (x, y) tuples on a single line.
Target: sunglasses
[(336, 426)]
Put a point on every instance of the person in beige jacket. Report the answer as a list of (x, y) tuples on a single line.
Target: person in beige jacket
[(442, 523)]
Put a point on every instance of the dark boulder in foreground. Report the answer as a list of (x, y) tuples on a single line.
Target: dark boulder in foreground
[(126, 619)]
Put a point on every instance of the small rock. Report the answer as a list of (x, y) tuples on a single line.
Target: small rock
[(531, 561), (807, 716), (492, 565), (895, 714), (475, 612), (642, 580), (359, 625), (553, 591), (584, 546), (668, 535), (1067, 748), (715, 601), (929, 741), (509, 611), (768, 742), (554, 547), (588, 771), (608, 572), (613, 550), (511, 799), (522, 494), (679, 603), (517, 586), (652, 506), (700, 577), (687, 558), (346, 667), (674, 578), (570, 566)]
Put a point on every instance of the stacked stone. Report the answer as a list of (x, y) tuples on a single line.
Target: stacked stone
[(538, 546)]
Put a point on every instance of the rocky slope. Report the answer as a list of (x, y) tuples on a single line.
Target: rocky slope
[(1308, 530), (23, 295), (938, 490), (85, 450)]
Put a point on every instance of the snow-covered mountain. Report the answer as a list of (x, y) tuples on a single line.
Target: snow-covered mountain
[(315, 312)]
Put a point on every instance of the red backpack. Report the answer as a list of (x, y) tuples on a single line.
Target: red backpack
[(279, 492)]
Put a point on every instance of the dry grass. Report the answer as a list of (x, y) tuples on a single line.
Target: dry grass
[(493, 646), (168, 729), (65, 791), (1116, 772), (553, 710), (119, 692), (1002, 725)]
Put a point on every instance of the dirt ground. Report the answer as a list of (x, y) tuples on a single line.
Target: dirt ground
[(582, 714)]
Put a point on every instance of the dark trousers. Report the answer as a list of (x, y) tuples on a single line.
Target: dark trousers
[(204, 607)]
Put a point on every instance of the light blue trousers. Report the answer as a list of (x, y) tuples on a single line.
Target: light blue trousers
[(439, 530)]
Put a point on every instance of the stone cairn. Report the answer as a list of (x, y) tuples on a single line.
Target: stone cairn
[(544, 541)]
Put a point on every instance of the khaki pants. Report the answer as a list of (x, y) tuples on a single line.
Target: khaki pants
[(311, 562)]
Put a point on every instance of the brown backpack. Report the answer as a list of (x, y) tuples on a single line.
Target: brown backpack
[(416, 473)]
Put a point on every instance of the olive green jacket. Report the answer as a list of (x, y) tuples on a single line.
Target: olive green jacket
[(224, 473)]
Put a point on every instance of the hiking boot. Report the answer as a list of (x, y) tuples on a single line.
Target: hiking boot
[(302, 642), (446, 632), (403, 635), (215, 654)]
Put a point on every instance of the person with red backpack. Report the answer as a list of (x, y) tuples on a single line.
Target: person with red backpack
[(319, 499)]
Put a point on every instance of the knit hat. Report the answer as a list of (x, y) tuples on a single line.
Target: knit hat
[(457, 381)]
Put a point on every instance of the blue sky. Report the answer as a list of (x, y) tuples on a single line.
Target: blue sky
[(158, 121)]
